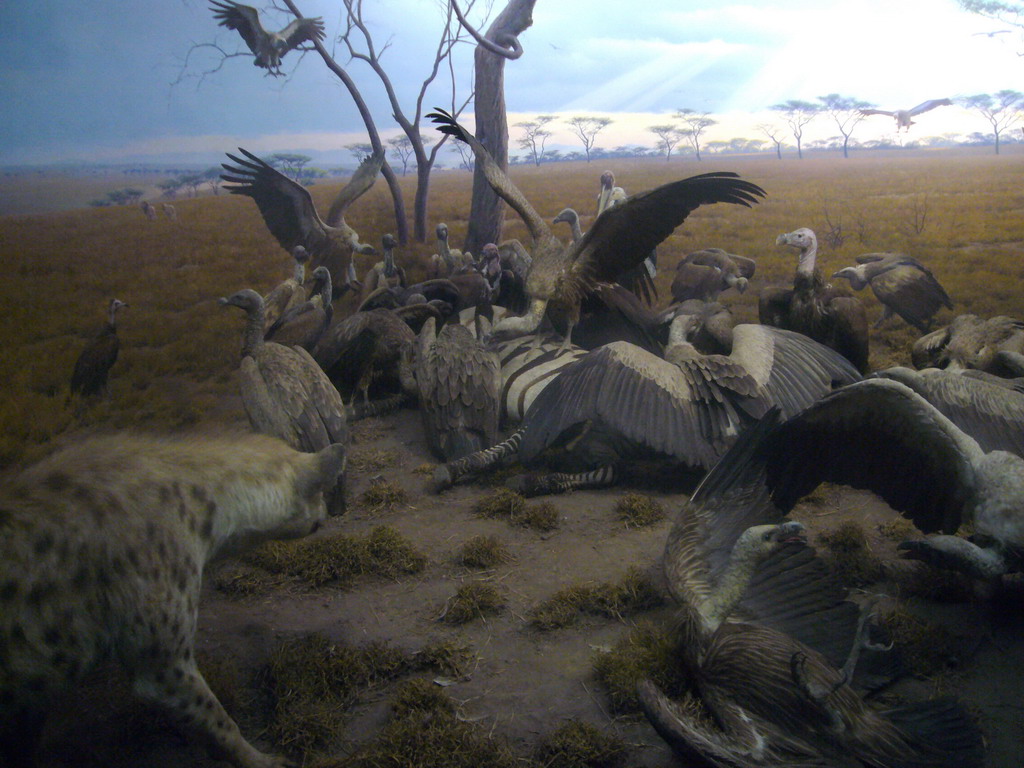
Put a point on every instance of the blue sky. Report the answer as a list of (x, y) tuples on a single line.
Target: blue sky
[(94, 80)]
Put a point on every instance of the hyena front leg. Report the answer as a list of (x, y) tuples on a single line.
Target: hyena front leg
[(180, 688)]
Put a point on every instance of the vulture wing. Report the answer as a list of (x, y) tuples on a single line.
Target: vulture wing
[(361, 181), (244, 19), (287, 207), (306, 30), (624, 234), (869, 112), (926, 106), (876, 434), (911, 291)]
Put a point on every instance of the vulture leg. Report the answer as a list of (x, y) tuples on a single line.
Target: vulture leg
[(561, 482), (380, 407), (815, 691), (862, 641), (886, 314), (446, 475)]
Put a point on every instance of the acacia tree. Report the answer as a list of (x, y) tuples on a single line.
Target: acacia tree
[(845, 111), (1001, 110), (797, 114), (668, 137), (499, 44), (1010, 12), (696, 123), (290, 164), (534, 136), (774, 133), (401, 150), (587, 128)]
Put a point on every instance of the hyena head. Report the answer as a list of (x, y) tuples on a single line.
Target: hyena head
[(287, 506)]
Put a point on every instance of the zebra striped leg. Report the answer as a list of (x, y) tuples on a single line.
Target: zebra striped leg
[(561, 482), (447, 474)]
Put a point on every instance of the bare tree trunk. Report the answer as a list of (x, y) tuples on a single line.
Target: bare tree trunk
[(487, 212)]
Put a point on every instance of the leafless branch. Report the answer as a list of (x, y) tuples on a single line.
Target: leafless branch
[(513, 49)]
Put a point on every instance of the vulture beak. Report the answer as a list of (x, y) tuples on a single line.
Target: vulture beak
[(603, 199), (782, 240), (790, 532)]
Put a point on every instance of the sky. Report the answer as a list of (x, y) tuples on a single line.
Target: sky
[(107, 82)]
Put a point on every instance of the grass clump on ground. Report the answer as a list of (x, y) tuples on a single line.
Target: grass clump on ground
[(372, 459), (483, 552), (633, 593), (425, 732), (646, 652), (849, 553), (382, 496), (449, 657), (471, 601), (506, 503), (336, 560), (577, 744), (927, 648), (637, 510)]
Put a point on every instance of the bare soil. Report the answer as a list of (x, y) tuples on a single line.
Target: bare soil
[(524, 682)]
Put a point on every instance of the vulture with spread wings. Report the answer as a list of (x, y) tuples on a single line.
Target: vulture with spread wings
[(291, 217), (621, 237), (268, 47), (903, 116)]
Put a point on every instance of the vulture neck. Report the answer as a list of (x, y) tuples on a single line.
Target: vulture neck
[(389, 262), (445, 252), (730, 589), (574, 223), (252, 339), (805, 267), (299, 276), (111, 319)]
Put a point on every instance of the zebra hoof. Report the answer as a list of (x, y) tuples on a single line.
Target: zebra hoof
[(526, 485), (442, 478)]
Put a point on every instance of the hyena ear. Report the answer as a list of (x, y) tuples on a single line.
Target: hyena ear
[(324, 471)]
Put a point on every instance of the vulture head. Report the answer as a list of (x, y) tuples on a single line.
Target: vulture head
[(854, 275), (246, 299), (566, 215), (300, 254), (757, 543), (805, 242)]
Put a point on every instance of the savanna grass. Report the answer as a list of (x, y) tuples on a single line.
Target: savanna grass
[(506, 503), (483, 552), (474, 600), (637, 510), (848, 550), (382, 496), (633, 593), (647, 652), (577, 744), (958, 212)]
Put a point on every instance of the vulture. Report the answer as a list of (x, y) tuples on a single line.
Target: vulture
[(903, 116), (620, 238), (619, 402), (814, 308), (362, 348), (704, 274), (988, 408), (771, 645), (994, 345), (267, 47), (284, 391), (903, 285), (148, 210), (95, 361), (458, 382), (640, 278), (446, 262), (290, 293), (303, 325), (385, 273), (880, 435), (291, 217)]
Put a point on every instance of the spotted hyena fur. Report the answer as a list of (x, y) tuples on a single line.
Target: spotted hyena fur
[(102, 549)]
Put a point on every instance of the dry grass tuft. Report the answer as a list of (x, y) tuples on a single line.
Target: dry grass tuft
[(425, 732), (897, 529), (484, 552), (336, 560), (382, 496), (506, 503), (577, 744), (472, 601), (633, 593), (426, 468), (371, 459), (927, 648), (541, 517), (646, 652), (849, 553), (637, 510), (449, 657)]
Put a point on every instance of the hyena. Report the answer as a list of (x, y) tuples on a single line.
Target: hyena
[(102, 550)]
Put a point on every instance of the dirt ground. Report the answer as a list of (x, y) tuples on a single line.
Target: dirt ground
[(525, 682)]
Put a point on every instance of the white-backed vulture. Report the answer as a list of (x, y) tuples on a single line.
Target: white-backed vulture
[(458, 382), (620, 238), (704, 274), (640, 278), (169, 211), (284, 391), (304, 324), (268, 47), (993, 345), (148, 210), (362, 348), (385, 273), (92, 368), (903, 285), (446, 262), (881, 435), (620, 403), (288, 293), (291, 217), (814, 308), (903, 116), (771, 646)]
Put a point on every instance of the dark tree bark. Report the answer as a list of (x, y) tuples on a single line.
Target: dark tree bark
[(500, 43)]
